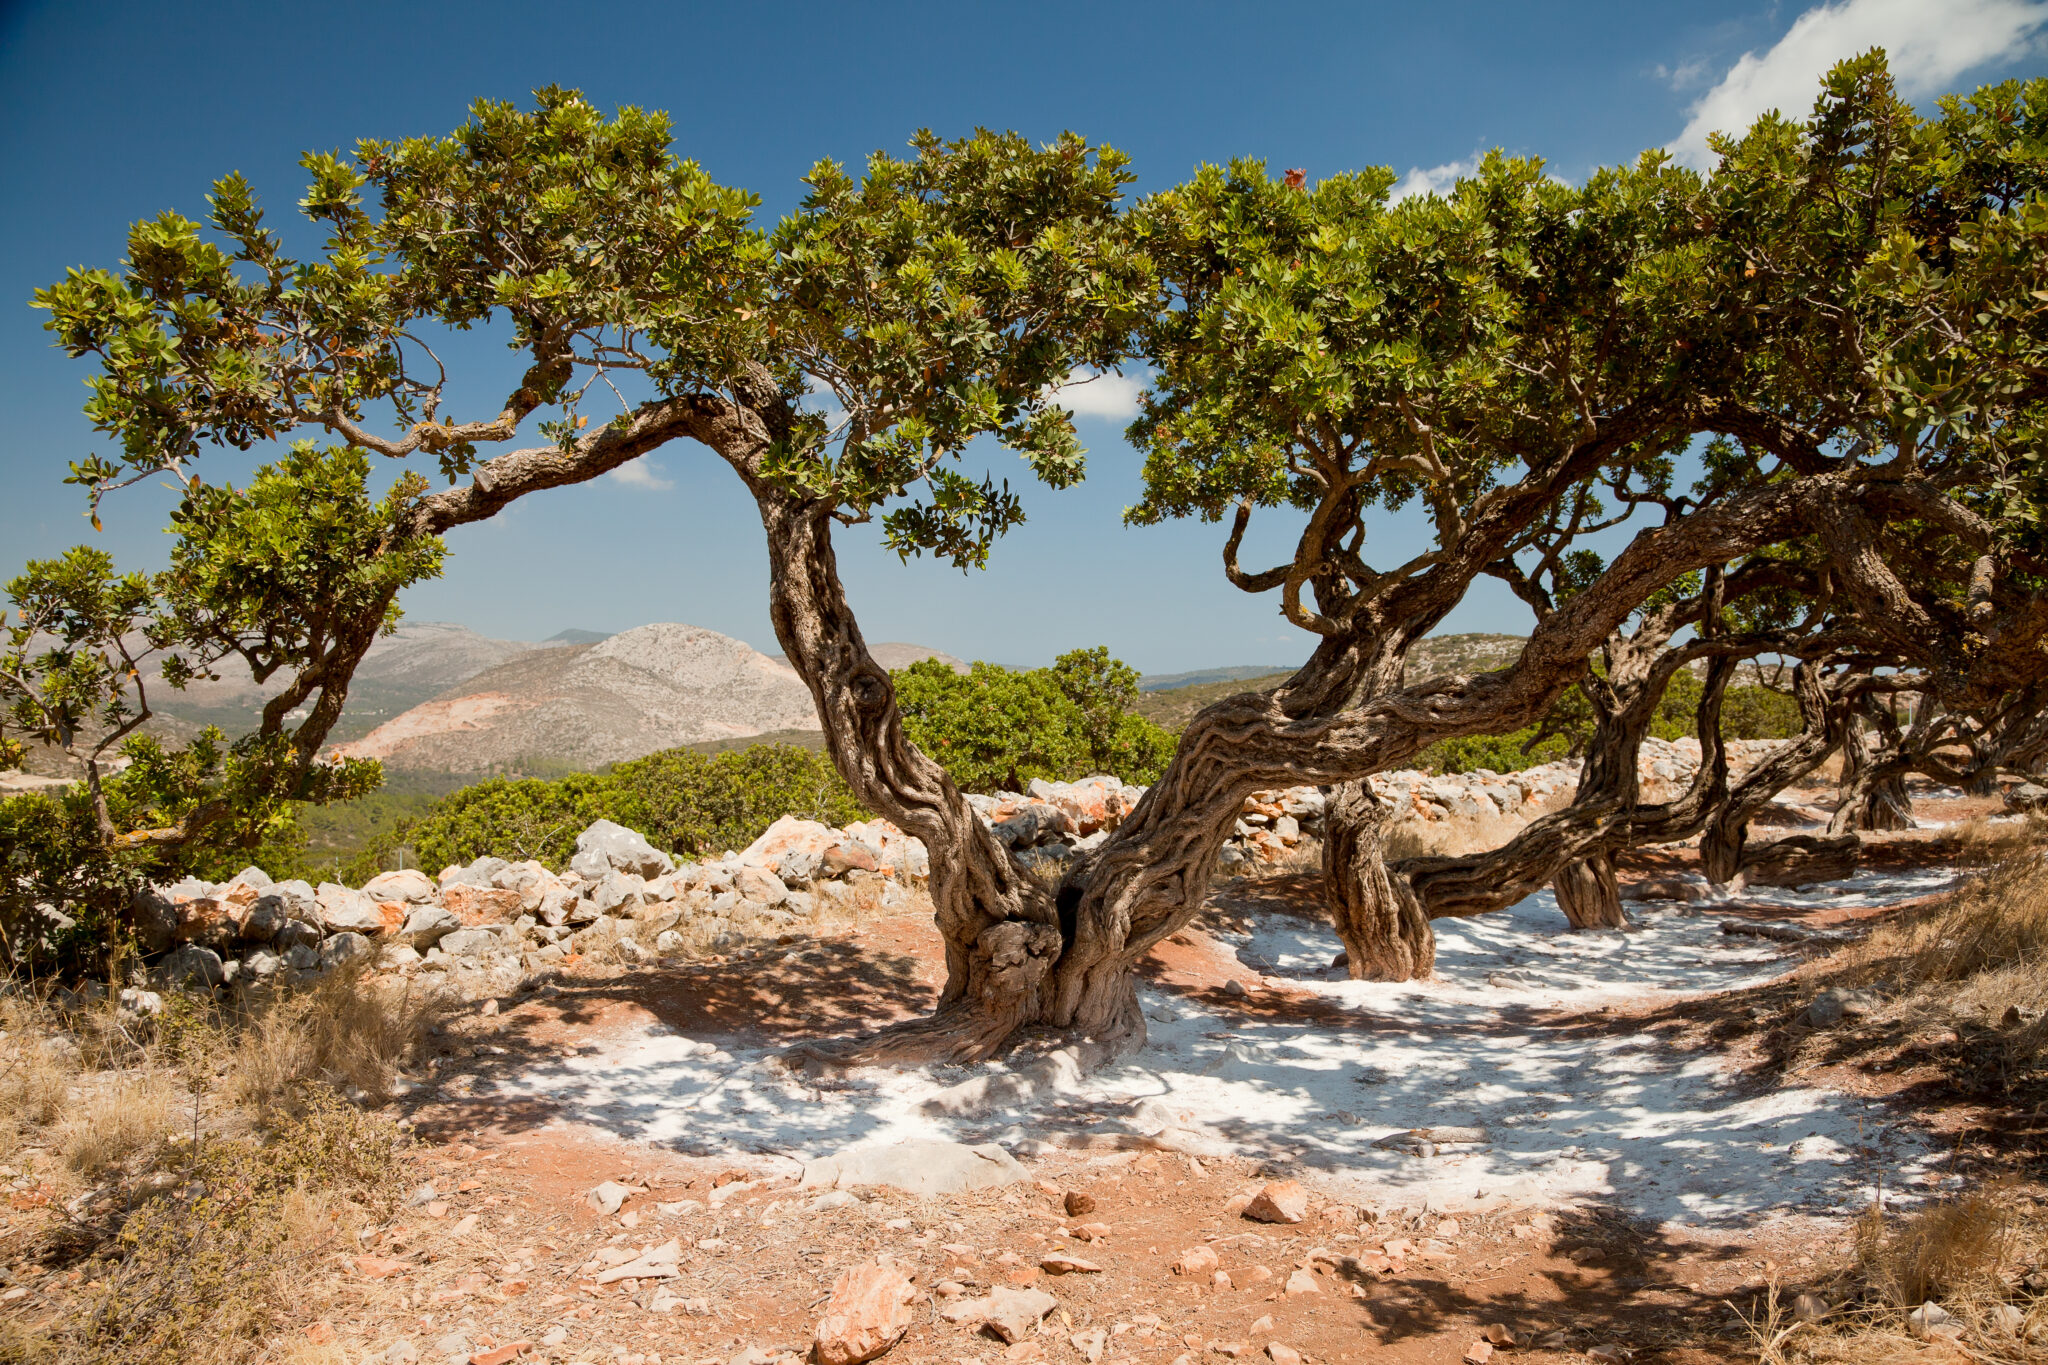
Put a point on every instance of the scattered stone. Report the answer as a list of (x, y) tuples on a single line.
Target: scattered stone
[(401, 1352), (1832, 1007), (1220, 1280), (1089, 1232), (1234, 988), (379, 1267), (925, 1167), (428, 925), (2027, 796), (1302, 1282), (1499, 1334), (608, 1197), (1282, 1355), (1196, 1261), (1060, 1263), (1281, 1201), (503, 1355), (342, 908), (1478, 1353), (833, 1199), (1011, 1314), (1264, 1323), (868, 1312), (2007, 1319), (1079, 1205), (1608, 1354), (1930, 1321), (1091, 1344), (1809, 1308), (1449, 1227)]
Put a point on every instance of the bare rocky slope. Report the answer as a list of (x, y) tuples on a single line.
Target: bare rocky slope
[(582, 706), (414, 663)]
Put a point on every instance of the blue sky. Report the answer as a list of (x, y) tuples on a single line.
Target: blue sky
[(115, 112)]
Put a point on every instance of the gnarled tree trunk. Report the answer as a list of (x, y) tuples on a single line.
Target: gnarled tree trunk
[(1001, 926), (1588, 894), (1385, 930)]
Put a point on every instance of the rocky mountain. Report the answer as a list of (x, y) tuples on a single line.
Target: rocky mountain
[(416, 662), (581, 706)]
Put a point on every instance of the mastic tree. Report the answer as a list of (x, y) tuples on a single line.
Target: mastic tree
[(292, 578), (1320, 352), (1852, 326)]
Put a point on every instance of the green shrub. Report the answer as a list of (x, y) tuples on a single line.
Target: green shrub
[(696, 805), (517, 819), (997, 728), (1502, 753), (683, 801)]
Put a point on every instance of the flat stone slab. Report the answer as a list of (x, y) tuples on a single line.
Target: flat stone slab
[(926, 1167)]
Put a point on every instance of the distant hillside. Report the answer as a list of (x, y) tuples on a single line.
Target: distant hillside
[(411, 665), (583, 706), (1174, 705), (1167, 682), (572, 636), (894, 654)]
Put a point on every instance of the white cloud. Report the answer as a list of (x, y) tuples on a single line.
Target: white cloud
[(1108, 395), (642, 473), (1929, 43), (1432, 180)]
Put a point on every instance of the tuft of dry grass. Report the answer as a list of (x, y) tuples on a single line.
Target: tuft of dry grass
[(1954, 1252), (348, 1029), (34, 1081), (120, 1117)]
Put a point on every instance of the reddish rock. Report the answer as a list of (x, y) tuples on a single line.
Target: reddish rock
[(475, 905), (871, 1307), (1196, 1261), (1282, 1201), (1060, 1263), (380, 1267), (504, 1355)]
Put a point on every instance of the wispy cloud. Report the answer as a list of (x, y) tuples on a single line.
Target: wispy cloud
[(642, 473), (1108, 395), (1432, 179), (1929, 45)]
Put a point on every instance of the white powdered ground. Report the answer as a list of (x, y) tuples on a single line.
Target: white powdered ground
[(1571, 1113)]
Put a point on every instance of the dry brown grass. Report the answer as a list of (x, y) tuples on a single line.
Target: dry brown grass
[(349, 1030), (1954, 1252), (1980, 957), (119, 1117)]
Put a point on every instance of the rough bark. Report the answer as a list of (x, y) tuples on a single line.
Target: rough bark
[(1000, 925), (1588, 894), (1385, 930), (1800, 860), (1824, 717)]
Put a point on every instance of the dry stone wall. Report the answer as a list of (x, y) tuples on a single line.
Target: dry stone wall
[(485, 925)]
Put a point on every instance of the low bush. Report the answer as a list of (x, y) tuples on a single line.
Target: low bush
[(207, 1270), (683, 801), (692, 804), (995, 729)]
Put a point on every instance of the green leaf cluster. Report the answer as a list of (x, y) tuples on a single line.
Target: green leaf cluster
[(995, 729), (684, 802)]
